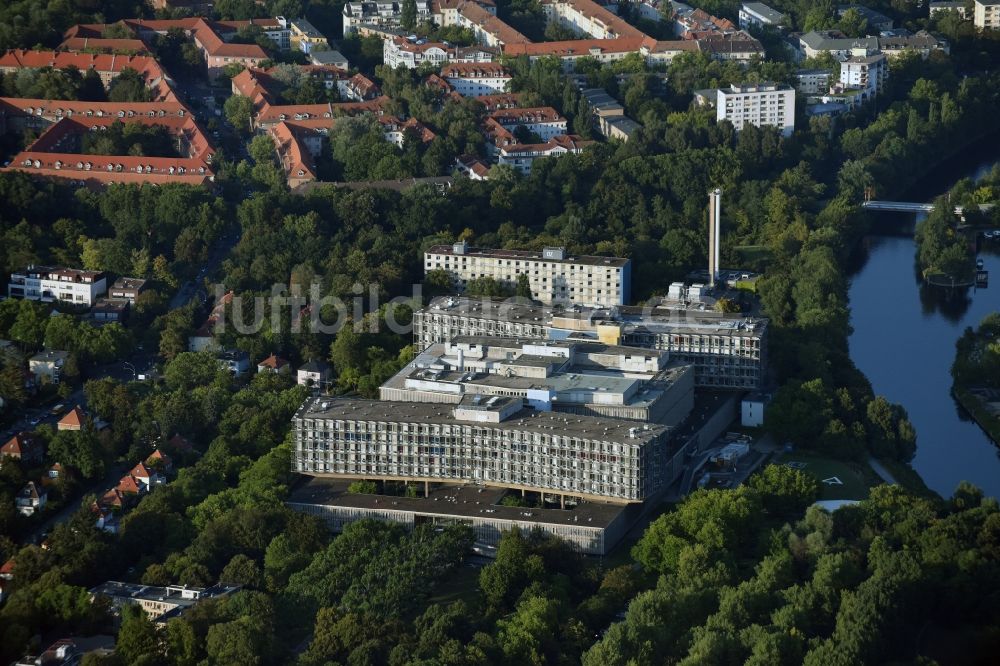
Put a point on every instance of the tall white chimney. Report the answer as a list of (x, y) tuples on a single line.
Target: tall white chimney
[(714, 219)]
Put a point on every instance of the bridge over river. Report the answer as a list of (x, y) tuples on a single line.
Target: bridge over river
[(911, 207)]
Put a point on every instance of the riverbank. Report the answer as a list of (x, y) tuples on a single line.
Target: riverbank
[(980, 413)]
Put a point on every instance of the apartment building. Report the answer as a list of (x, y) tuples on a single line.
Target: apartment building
[(489, 30), (761, 105), (815, 43), (938, 7), (475, 79), (410, 53), (522, 156), (922, 43), (381, 13), (49, 283), (494, 442), (303, 36), (586, 17), (544, 121), (554, 275), (876, 21), (727, 351), (812, 81), (865, 72), (107, 65), (759, 15)]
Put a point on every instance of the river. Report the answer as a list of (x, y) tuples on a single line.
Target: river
[(904, 342)]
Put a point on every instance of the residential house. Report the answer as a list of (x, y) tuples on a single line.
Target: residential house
[(274, 364), (204, 338), (31, 499), (314, 373), (75, 419), (159, 603), (110, 309), (147, 477), (236, 362), (472, 167), (127, 289), (25, 447), (160, 461), (48, 365)]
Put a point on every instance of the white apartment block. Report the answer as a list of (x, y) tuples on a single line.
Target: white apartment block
[(938, 7), (758, 15), (554, 276), (380, 13), (812, 81), (47, 284), (762, 105), (475, 79), (867, 73), (986, 15)]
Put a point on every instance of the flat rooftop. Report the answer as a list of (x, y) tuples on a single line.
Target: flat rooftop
[(459, 501), (527, 420), (653, 318), (529, 255)]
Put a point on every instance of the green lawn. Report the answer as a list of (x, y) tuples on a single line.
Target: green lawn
[(854, 479)]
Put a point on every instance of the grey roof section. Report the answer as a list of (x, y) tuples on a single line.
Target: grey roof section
[(762, 10), (529, 255), (829, 41), (315, 366), (873, 17), (623, 124), (307, 28), (328, 57), (465, 500), (549, 423), (631, 317)]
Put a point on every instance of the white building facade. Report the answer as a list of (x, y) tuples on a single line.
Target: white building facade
[(47, 284), (554, 276), (986, 15), (761, 105)]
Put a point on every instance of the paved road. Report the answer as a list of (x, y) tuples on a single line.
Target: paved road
[(882, 471)]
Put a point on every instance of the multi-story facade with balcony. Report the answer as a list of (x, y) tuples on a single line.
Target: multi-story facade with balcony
[(761, 105), (47, 284), (554, 275)]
